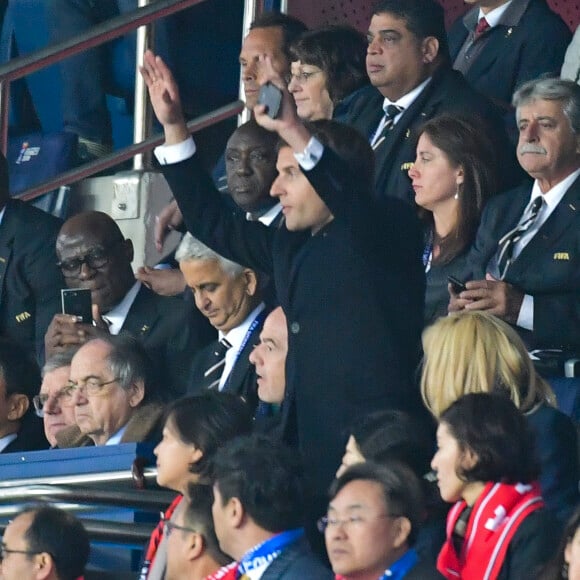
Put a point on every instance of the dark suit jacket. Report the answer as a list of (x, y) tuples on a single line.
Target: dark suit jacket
[(172, 331), (548, 268), (447, 92), (30, 435), (297, 561), (30, 280), (242, 378), (423, 571), (530, 40), (353, 296)]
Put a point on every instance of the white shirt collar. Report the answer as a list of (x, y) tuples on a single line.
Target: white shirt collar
[(115, 318), (268, 217), (6, 440), (406, 100), (554, 196), (116, 438), (2, 212), (494, 16)]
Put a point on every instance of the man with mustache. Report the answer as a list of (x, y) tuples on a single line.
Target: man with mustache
[(525, 260)]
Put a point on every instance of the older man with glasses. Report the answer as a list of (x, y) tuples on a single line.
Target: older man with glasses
[(93, 254), (113, 392)]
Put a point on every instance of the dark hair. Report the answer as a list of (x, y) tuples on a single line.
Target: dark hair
[(352, 148), (291, 27), (423, 18), (60, 534), (393, 435), (491, 427), (266, 477), (553, 570), (207, 421), (401, 490), (19, 369), (340, 51), (130, 362), (465, 143), (197, 516)]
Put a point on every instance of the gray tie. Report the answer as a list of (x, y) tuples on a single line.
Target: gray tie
[(216, 369)]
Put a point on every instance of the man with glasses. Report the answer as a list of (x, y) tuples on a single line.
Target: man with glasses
[(48, 403), (32, 550), (93, 254), (371, 524), (113, 392), (193, 552)]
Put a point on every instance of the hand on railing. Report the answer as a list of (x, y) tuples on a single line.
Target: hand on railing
[(164, 96)]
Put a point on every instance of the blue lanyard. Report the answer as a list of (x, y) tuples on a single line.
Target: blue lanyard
[(428, 252), (267, 551), (401, 567)]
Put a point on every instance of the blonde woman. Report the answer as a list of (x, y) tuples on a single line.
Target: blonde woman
[(475, 352)]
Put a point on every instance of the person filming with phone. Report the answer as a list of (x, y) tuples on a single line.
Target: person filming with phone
[(94, 255)]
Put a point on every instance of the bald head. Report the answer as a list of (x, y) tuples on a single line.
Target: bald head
[(93, 254)]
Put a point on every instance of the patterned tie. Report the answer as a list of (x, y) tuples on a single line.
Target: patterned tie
[(507, 243), (214, 372), (481, 27), (386, 124)]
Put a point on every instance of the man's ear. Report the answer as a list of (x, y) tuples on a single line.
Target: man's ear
[(251, 281), (44, 566), (18, 404), (236, 512), (128, 249), (136, 393), (403, 530), (430, 49), (195, 547)]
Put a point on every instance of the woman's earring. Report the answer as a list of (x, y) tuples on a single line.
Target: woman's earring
[(456, 196)]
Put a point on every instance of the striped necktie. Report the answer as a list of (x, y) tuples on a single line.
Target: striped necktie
[(507, 243), (215, 370), (482, 26), (386, 124)]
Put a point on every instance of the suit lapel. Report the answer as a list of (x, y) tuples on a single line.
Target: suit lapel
[(142, 315), (559, 222)]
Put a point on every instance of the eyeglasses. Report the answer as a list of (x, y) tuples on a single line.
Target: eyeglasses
[(352, 521), (302, 77), (169, 526), (4, 551), (90, 387), (40, 401), (95, 259)]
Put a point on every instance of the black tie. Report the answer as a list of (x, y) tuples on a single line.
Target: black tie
[(386, 123), (507, 243), (215, 370)]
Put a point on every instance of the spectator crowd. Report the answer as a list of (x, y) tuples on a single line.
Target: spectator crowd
[(354, 370)]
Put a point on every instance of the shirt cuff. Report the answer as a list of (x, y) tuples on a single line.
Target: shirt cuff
[(167, 154), (526, 315), (311, 154)]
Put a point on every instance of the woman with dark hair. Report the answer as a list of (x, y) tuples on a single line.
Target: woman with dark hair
[(566, 563), (328, 67), (454, 173), (195, 428), (498, 527)]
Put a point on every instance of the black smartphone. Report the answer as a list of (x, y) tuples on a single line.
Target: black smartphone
[(77, 301), (457, 285), (271, 96)]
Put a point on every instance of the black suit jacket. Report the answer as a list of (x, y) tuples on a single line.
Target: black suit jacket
[(548, 268), (30, 280), (353, 297), (242, 378), (447, 92), (172, 331), (297, 561), (530, 40)]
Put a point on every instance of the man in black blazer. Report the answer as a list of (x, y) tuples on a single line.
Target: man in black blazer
[(230, 296), (258, 511), (525, 39), (94, 254), (20, 428), (30, 280), (408, 66), (525, 267)]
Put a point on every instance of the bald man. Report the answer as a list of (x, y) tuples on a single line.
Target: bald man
[(93, 254)]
